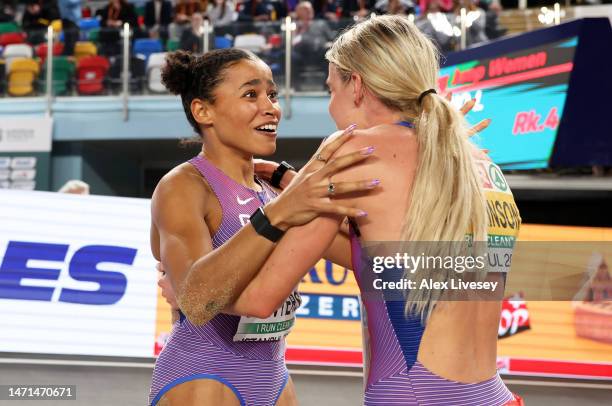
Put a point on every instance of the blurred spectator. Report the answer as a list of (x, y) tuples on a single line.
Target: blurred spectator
[(191, 39), (221, 13), (116, 13), (493, 29), (7, 11), (255, 10), (311, 39), (328, 9), (75, 187), (70, 11), (38, 15), (289, 5), (157, 18), (357, 9), (437, 26), (183, 10), (403, 7), (281, 8), (476, 16)]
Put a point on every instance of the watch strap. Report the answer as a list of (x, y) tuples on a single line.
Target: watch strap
[(263, 227), (278, 173)]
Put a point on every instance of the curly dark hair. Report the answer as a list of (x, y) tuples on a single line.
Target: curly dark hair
[(197, 76)]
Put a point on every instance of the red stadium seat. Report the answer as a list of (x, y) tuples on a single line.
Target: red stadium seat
[(91, 74), (12, 38), (41, 50)]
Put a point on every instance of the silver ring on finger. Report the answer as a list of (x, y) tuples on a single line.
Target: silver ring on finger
[(318, 157), (331, 189)]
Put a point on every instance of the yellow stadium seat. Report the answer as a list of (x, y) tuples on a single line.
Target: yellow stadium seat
[(57, 25), (21, 76), (84, 48)]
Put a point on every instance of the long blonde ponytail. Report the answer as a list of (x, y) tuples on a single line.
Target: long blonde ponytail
[(398, 63)]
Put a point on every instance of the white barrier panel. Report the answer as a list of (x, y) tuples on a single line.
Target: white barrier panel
[(76, 275), (32, 134)]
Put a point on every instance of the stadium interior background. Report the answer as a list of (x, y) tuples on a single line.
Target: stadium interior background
[(121, 133)]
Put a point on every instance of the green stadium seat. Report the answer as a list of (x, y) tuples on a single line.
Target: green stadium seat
[(172, 45), (9, 27), (63, 74), (93, 35)]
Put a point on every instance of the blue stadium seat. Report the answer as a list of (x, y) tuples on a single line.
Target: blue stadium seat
[(87, 24), (222, 42), (146, 47)]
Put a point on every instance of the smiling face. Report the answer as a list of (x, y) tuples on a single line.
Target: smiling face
[(246, 112), (341, 104)]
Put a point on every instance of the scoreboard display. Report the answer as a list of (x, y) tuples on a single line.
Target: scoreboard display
[(546, 92)]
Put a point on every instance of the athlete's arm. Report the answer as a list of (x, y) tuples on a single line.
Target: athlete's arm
[(207, 280), (298, 251), (301, 248), (203, 279)]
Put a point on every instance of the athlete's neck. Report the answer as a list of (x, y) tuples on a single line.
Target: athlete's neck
[(372, 114), (235, 164)]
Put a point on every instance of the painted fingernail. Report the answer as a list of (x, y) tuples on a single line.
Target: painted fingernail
[(361, 213), (350, 128), (374, 183), (367, 150)]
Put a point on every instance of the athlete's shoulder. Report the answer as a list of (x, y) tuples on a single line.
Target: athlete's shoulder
[(180, 189), (382, 137)]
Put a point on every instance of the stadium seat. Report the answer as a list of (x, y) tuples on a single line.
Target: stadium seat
[(86, 24), (250, 42), (63, 74), (10, 26), (14, 51), (84, 48), (136, 75), (172, 45), (36, 36), (41, 50), (12, 38), (93, 35), (222, 42), (91, 74), (275, 40), (2, 75), (21, 76), (146, 47), (154, 67), (109, 41)]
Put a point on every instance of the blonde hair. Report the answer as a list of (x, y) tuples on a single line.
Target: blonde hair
[(397, 63)]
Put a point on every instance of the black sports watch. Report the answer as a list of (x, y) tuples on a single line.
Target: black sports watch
[(278, 173), (262, 226)]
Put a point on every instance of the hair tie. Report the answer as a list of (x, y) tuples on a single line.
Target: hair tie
[(425, 93)]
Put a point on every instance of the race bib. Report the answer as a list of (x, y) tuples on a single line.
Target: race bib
[(275, 327), (503, 215)]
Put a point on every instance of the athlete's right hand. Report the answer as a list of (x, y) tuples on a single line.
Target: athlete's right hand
[(166, 286), (309, 193)]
